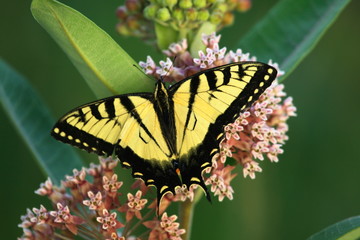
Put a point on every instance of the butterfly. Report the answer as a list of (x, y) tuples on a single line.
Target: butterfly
[(169, 137)]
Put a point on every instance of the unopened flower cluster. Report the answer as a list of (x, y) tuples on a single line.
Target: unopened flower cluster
[(259, 131), (98, 210), (134, 15)]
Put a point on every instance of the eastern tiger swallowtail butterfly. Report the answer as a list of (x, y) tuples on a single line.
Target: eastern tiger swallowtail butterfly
[(170, 136)]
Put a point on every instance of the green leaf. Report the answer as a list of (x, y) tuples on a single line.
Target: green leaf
[(34, 122), (344, 230), (291, 30), (106, 67)]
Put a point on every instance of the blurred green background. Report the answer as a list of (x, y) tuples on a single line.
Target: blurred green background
[(316, 182)]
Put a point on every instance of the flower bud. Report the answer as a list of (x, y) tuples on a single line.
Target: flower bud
[(216, 17), (122, 29), (163, 14), (150, 11), (191, 14), (170, 3), (228, 18), (121, 12), (199, 3), (203, 15), (223, 7), (132, 23), (243, 5), (133, 5), (178, 15), (185, 4)]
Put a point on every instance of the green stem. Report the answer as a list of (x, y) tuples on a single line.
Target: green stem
[(198, 195), (186, 210), (138, 223), (182, 34), (61, 236), (86, 234)]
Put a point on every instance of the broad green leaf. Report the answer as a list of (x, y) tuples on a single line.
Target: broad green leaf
[(348, 229), (34, 122), (196, 45), (106, 67), (291, 30)]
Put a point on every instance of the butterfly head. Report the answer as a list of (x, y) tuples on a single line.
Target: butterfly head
[(160, 90)]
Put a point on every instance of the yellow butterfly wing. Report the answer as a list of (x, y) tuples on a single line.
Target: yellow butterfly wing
[(127, 126), (207, 101)]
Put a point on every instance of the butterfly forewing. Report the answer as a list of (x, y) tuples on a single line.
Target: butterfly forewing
[(96, 126), (206, 102), (126, 125)]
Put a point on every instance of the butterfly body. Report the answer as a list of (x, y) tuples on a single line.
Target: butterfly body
[(168, 137)]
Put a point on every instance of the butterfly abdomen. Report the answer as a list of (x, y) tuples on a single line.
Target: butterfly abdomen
[(164, 108)]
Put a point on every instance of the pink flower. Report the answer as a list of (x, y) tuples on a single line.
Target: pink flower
[(250, 168), (148, 66), (95, 201), (210, 40), (63, 216), (220, 181), (183, 193), (135, 202), (45, 188), (111, 185), (217, 52), (109, 163), (238, 56), (72, 220), (166, 67), (108, 220), (170, 225), (167, 228), (176, 49), (78, 177), (205, 61), (42, 215)]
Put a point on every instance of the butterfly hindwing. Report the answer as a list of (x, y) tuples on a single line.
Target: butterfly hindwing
[(206, 102)]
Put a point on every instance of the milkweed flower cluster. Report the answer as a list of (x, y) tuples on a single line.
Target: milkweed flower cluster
[(259, 131), (137, 17), (98, 210)]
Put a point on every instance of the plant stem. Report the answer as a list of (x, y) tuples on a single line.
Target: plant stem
[(182, 34), (61, 236), (186, 210), (128, 232)]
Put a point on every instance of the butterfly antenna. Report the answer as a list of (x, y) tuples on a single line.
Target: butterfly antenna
[(139, 68)]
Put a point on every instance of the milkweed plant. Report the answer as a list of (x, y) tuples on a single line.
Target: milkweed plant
[(92, 203)]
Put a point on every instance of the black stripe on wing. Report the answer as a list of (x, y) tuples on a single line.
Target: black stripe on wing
[(81, 139)]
